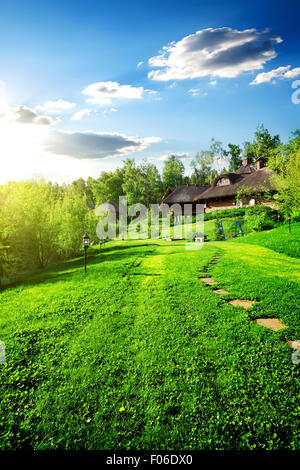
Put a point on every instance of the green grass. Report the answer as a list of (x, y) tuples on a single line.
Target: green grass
[(279, 239), (140, 354)]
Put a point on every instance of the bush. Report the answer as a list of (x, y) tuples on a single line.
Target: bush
[(260, 218)]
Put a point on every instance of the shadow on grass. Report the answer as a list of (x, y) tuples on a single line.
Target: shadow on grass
[(65, 270)]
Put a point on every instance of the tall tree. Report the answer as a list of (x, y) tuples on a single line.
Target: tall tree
[(263, 144), (107, 186), (234, 151), (173, 172), (285, 161), (202, 163), (153, 186)]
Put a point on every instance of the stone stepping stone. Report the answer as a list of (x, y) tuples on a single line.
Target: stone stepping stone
[(221, 291), (294, 344), (242, 303), (208, 280), (272, 323)]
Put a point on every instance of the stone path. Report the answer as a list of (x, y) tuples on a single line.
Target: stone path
[(208, 280), (242, 303), (273, 323), (221, 292), (294, 344)]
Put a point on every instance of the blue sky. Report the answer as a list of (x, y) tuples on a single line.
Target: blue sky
[(75, 102)]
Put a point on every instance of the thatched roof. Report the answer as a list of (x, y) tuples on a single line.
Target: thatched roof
[(246, 169), (168, 191), (186, 193), (257, 180)]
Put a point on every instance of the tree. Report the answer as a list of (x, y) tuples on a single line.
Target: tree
[(285, 161), (234, 151), (153, 186), (73, 218), (202, 164), (262, 146), (28, 222), (173, 172), (107, 186), (133, 182)]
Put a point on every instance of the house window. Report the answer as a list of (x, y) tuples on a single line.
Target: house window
[(223, 182)]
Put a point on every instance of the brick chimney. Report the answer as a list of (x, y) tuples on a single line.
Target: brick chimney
[(246, 162), (259, 163)]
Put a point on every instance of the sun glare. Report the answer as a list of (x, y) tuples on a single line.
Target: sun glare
[(19, 146)]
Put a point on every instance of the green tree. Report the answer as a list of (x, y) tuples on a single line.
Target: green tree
[(153, 186), (202, 163), (173, 172), (28, 222), (107, 186), (73, 218), (285, 161), (234, 151), (262, 146)]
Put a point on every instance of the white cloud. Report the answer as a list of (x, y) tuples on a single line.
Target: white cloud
[(140, 64), (95, 145), (56, 106), (80, 114), (23, 115), (279, 73), (3, 99), (213, 82), (194, 91), (105, 112), (221, 52), (104, 92)]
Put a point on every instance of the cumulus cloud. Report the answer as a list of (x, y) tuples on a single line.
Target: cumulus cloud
[(95, 145), (80, 114), (140, 64), (220, 52), (280, 73), (23, 115), (56, 106), (105, 92), (213, 82)]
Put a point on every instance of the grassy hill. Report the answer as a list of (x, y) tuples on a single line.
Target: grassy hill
[(140, 354), (278, 239)]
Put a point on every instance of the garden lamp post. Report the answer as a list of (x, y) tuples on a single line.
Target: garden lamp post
[(85, 244)]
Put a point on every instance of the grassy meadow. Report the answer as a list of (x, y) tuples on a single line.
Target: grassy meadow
[(140, 354)]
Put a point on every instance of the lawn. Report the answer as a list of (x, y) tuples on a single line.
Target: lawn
[(280, 239), (140, 354)]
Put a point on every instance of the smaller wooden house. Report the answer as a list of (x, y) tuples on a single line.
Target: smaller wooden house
[(185, 194)]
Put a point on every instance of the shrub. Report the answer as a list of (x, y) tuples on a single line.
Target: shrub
[(260, 218), (222, 214)]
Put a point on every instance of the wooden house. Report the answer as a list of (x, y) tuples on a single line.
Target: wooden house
[(222, 193)]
